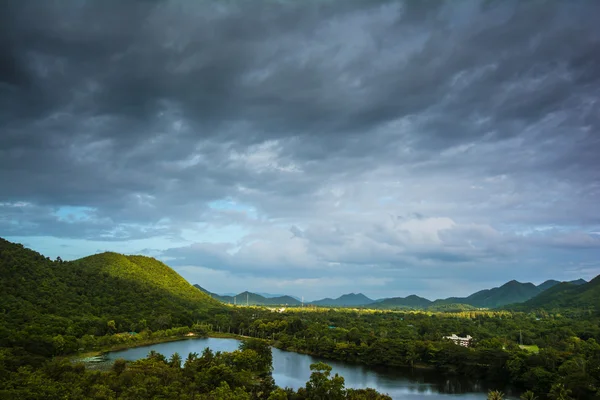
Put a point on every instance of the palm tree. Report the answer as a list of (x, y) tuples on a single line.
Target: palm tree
[(559, 392), (175, 360), (529, 395), (495, 395)]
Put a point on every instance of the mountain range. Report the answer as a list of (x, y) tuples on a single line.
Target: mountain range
[(253, 299), (512, 292), (110, 291)]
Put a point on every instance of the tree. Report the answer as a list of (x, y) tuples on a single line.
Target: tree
[(321, 386), (495, 395), (175, 360), (559, 392), (224, 392), (528, 395), (353, 335), (278, 394), (153, 355), (119, 366), (163, 321), (365, 394), (58, 342), (263, 350), (411, 354)]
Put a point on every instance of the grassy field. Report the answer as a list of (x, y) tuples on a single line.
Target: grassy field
[(530, 348)]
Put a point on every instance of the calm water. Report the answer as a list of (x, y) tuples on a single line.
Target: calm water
[(292, 370)]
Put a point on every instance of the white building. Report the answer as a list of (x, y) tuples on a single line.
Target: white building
[(461, 341)]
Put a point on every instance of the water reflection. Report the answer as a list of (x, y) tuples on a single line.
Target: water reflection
[(293, 370)]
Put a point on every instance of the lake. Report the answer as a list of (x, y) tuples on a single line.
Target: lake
[(293, 370)]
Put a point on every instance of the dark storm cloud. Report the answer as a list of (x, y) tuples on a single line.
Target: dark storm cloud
[(475, 121)]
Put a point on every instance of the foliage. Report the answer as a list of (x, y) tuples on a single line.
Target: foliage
[(52, 308), (48, 306), (528, 395), (566, 295), (219, 376), (495, 395), (568, 349), (322, 386)]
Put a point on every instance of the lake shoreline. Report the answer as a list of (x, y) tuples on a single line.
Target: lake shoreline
[(81, 357), (146, 342), (418, 366), (291, 368)]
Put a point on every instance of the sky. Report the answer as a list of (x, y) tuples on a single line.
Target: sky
[(312, 148)]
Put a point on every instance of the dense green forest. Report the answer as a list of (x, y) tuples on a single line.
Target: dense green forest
[(411, 301), (556, 348), (241, 375), (55, 308), (566, 295), (48, 305)]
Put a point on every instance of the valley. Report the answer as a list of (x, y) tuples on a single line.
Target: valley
[(109, 301)]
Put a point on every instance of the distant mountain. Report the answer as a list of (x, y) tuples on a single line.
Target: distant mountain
[(512, 292), (271, 295), (566, 295), (411, 301), (547, 284), (551, 283), (578, 282), (252, 299), (509, 293), (346, 300), (201, 288), (256, 299)]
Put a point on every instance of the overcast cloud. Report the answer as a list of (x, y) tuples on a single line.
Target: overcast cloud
[(314, 147)]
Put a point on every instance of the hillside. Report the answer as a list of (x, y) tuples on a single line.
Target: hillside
[(346, 300), (578, 282), (510, 292), (551, 283), (547, 284), (566, 295), (81, 297), (224, 298), (411, 301)]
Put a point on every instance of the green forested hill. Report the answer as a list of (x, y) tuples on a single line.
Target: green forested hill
[(548, 284), (510, 292), (566, 295), (411, 301), (41, 298), (345, 300), (551, 283)]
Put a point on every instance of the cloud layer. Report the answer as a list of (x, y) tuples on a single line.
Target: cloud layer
[(387, 147)]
